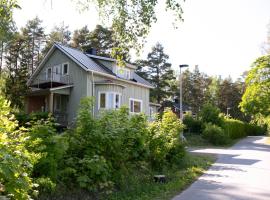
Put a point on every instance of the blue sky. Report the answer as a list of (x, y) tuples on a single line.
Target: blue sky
[(223, 37)]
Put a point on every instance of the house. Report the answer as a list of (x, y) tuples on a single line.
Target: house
[(66, 75), (175, 107)]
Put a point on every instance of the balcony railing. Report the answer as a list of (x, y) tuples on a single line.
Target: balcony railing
[(53, 79)]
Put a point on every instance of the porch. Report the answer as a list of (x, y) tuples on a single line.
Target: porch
[(53, 100)]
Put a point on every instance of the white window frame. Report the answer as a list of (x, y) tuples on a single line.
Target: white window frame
[(106, 99), (47, 77), (138, 100), (126, 73), (66, 63)]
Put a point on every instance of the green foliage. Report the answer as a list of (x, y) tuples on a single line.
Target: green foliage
[(45, 185), (164, 142), (254, 129), (6, 17), (210, 114), (158, 72), (234, 128), (45, 141), (26, 119), (131, 20), (193, 125), (103, 150), (16, 161), (215, 134), (256, 99)]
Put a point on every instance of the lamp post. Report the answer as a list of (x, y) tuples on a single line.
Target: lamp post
[(180, 96)]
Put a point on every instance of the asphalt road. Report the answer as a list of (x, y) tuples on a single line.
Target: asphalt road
[(241, 172)]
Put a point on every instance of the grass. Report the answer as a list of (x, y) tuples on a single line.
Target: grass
[(178, 179)]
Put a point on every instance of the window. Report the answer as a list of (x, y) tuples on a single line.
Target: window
[(102, 100), (49, 73), (65, 68), (123, 72), (135, 105), (109, 100)]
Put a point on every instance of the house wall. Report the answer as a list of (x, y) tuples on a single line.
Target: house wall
[(78, 77), (128, 91)]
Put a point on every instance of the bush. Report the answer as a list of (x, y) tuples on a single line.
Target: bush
[(164, 142), (210, 114), (45, 141), (192, 125), (103, 150), (26, 119), (215, 134), (234, 128), (253, 129), (16, 161)]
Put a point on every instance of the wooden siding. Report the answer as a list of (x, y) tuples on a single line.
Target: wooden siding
[(79, 80), (129, 91)]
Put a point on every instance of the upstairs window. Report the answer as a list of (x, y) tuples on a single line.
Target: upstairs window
[(135, 105), (123, 72), (65, 68), (49, 73), (109, 100)]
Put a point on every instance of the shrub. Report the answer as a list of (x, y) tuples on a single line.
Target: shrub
[(253, 129), (45, 141), (234, 128), (192, 125), (215, 134), (210, 114), (102, 150), (164, 142), (26, 119), (16, 161)]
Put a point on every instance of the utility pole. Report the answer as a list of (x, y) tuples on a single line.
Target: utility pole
[(180, 96)]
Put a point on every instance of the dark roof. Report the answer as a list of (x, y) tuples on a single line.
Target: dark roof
[(91, 62)]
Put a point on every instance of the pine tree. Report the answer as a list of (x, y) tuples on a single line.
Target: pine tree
[(17, 71), (60, 34), (34, 35), (159, 73), (81, 38), (101, 39)]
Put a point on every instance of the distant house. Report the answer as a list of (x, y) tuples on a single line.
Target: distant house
[(66, 75), (175, 107)]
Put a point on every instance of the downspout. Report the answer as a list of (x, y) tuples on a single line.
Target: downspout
[(93, 93)]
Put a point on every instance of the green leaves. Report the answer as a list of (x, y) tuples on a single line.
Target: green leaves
[(131, 20), (16, 161), (256, 99)]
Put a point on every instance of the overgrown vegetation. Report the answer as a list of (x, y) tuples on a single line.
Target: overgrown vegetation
[(98, 156), (211, 126)]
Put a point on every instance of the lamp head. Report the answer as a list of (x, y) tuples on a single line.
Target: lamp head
[(184, 65)]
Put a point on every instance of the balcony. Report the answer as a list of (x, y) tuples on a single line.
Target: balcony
[(51, 80)]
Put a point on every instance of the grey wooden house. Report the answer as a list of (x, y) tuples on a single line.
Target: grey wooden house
[(66, 75)]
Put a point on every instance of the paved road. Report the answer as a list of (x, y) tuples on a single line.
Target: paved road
[(240, 173)]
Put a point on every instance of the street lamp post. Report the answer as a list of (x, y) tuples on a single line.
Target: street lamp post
[(180, 90)]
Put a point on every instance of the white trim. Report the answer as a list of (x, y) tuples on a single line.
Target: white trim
[(138, 100), (65, 63), (60, 87), (107, 83), (106, 99)]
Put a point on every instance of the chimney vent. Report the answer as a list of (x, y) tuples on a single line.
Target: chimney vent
[(92, 51)]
